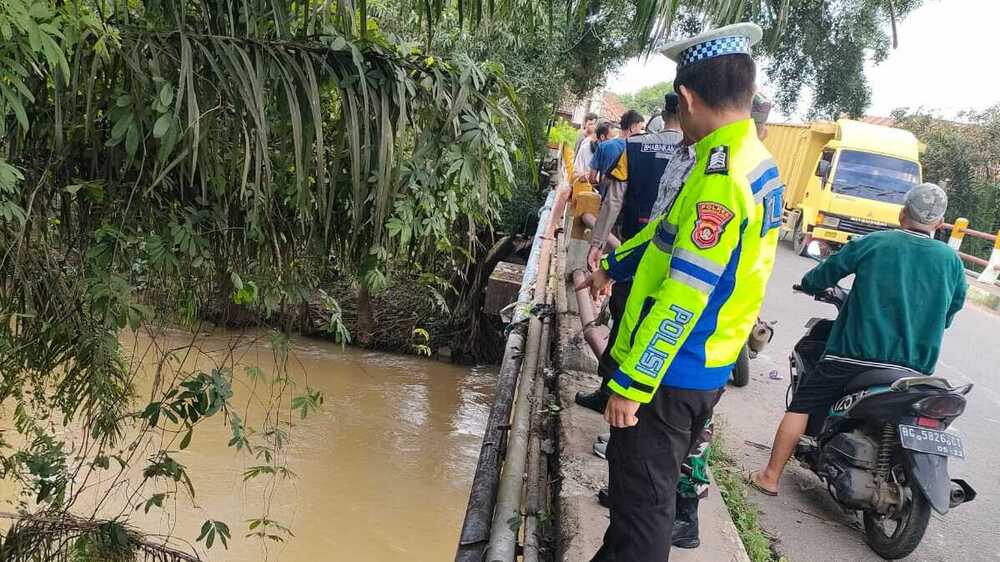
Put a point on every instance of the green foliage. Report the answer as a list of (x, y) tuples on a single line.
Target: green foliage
[(520, 212), (10, 211), (110, 541), (815, 44), (649, 100), (212, 529), (307, 402), (177, 162), (550, 53), (74, 539), (811, 46), (563, 133), (200, 396), (334, 325), (728, 477), (823, 47), (963, 157), (171, 162), (268, 529)]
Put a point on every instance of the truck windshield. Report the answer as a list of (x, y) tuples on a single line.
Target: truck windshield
[(873, 176)]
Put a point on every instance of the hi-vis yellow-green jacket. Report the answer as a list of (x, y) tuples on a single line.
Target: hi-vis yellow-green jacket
[(699, 271)]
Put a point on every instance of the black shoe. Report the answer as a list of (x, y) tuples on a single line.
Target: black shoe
[(602, 497), (601, 450), (595, 401), (685, 532)]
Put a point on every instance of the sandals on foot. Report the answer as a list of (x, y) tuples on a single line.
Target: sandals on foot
[(752, 481)]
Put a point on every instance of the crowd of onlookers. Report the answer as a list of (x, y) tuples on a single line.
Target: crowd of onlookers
[(600, 144)]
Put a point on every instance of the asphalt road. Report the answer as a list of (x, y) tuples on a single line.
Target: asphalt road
[(807, 524)]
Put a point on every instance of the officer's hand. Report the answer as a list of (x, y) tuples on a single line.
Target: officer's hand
[(594, 258), (620, 411), (600, 283)]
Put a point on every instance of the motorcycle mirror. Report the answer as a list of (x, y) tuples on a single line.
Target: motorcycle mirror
[(814, 251)]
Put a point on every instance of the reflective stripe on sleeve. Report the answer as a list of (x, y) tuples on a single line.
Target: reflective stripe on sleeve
[(764, 179), (694, 270), (770, 187), (760, 170)]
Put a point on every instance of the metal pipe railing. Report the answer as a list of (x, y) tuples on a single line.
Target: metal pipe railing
[(590, 220), (503, 536), (536, 469), (966, 230), (479, 514), (595, 336), (991, 267), (476, 527)]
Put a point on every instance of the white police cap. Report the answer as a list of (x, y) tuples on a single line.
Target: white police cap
[(727, 40)]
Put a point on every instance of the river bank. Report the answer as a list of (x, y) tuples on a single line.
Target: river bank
[(379, 473)]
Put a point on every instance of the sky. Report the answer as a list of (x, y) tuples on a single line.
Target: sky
[(934, 66)]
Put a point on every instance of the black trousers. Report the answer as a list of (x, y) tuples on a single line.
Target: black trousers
[(644, 464), (824, 386), (606, 365)]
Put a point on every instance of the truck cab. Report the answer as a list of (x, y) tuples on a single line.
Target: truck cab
[(843, 179)]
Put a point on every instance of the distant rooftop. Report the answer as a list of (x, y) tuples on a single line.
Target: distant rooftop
[(606, 105), (611, 108)]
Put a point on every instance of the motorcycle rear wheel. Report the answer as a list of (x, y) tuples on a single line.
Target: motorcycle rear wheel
[(741, 371), (910, 524)]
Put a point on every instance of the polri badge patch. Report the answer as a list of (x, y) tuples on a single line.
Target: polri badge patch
[(712, 220), (718, 161)]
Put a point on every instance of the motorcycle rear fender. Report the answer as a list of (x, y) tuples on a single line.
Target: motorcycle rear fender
[(930, 472), (880, 404)]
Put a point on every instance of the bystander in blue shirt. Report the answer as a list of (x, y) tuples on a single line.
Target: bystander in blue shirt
[(607, 155)]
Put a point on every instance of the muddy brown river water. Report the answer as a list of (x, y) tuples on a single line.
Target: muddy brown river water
[(383, 470)]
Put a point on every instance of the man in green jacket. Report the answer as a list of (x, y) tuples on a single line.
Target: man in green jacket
[(907, 289)]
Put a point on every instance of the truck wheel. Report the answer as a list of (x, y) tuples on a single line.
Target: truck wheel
[(896, 536), (800, 238), (741, 371)]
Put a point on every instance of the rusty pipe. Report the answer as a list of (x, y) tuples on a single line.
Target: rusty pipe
[(590, 220), (558, 208), (503, 538), (502, 545), (535, 479), (595, 336), (477, 527), (479, 514)]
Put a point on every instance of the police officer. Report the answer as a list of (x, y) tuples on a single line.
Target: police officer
[(632, 188), (694, 482), (699, 274)]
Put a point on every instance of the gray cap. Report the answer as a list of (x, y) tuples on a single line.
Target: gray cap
[(926, 203), (655, 125), (761, 108)]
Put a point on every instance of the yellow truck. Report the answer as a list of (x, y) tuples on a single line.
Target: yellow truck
[(842, 179)]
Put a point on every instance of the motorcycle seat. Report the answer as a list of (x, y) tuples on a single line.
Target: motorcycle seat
[(874, 377)]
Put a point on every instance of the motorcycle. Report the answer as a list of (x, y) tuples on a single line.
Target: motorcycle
[(883, 448), (760, 336)]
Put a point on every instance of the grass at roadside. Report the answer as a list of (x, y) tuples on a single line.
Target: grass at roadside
[(729, 479)]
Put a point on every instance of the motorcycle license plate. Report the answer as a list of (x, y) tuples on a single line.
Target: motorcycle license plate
[(931, 441)]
